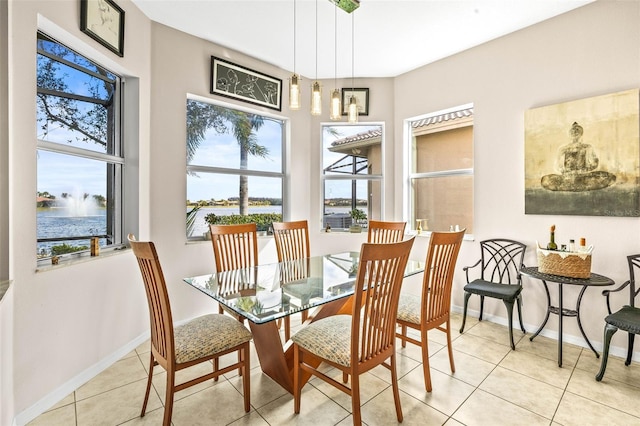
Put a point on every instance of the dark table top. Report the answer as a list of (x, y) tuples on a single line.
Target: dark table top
[(594, 280)]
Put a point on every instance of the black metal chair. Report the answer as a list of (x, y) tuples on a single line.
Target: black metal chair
[(500, 264), (626, 319)]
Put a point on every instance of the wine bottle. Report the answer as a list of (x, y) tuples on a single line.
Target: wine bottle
[(552, 239)]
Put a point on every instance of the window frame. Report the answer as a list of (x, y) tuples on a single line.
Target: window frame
[(338, 177), (409, 163), (115, 162), (282, 175)]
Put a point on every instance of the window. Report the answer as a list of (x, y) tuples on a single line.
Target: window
[(441, 169), (235, 167), (80, 156), (352, 167)]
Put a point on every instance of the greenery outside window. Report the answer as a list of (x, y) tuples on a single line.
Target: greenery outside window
[(235, 167), (352, 177), (80, 156), (440, 190)]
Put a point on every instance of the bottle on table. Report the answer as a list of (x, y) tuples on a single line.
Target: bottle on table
[(572, 245), (552, 239)]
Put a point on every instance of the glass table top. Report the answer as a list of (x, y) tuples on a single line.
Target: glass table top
[(267, 292)]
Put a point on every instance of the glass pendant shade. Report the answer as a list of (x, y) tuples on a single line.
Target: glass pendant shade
[(294, 92), (316, 99), (353, 110), (335, 112)]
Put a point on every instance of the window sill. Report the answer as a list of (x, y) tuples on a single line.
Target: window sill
[(74, 260)]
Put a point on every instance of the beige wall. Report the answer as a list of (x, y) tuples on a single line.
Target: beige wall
[(70, 322), (590, 51)]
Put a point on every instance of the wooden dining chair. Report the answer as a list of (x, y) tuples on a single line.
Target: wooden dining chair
[(356, 343), (200, 340), (234, 247), (385, 232), (432, 310), (292, 243)]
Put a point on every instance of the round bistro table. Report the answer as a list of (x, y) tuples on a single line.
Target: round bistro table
[(595, 280)]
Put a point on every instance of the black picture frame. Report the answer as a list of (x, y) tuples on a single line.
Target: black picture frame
[(103, 21), (238, 82), (362, 96)]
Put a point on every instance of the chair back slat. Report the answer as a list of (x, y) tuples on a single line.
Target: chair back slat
[(442, 255), (234, 246), (157, 298), (380, 273), (385, 232), (292, 240), (502, 260)]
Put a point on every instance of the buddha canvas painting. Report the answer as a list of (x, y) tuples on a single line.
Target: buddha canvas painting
[(582, 157)]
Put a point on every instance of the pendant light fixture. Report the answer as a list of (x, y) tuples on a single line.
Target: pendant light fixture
[(352, 115), (335, 110), (316, 89), (294, 80)]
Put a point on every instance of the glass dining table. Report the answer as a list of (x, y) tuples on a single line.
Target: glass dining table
[(265, 293)]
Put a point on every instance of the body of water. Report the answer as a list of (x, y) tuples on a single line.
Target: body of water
[(57, 222)]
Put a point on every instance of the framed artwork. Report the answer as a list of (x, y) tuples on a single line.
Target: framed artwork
[(362, 97), (237, 82), (583, 157), (103, 21)]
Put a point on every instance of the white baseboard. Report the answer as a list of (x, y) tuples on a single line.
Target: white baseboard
[(551, 334)]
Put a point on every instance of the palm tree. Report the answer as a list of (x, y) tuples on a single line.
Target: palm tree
[(201, 117)]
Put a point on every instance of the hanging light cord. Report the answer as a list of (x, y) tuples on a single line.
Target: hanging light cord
[(316, 40), (294, 36), (335, 41), (352, 53)]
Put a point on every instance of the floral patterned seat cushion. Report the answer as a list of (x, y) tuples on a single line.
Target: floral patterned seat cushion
[(208, 335), (409, 308), (328, 338)]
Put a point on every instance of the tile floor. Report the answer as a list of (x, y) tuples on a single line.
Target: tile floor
[(492, 385)]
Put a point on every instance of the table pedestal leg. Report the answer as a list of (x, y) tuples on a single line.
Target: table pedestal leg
[(276, 360), (584, 288), (546, 318), (560, 316)]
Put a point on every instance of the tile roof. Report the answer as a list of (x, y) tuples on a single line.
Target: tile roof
[(359, 137), (449, 116)]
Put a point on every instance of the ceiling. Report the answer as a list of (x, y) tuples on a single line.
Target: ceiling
[(391, 37)]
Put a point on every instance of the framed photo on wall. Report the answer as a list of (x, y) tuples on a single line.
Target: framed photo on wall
[(237, 82), (362, 97), (103, 21)]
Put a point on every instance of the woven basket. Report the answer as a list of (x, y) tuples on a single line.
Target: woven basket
[(564, 264)]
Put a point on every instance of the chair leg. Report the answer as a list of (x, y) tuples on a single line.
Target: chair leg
[(168, 399), (246, 384), (403, 332), (449, 347), (355, 400), (630, 350), (296, 379), (216, 367), (394, 385), (426, 370), (509, 305), (146, 395), (464, 311), (609, 331), (519, 301), (481, 307)]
